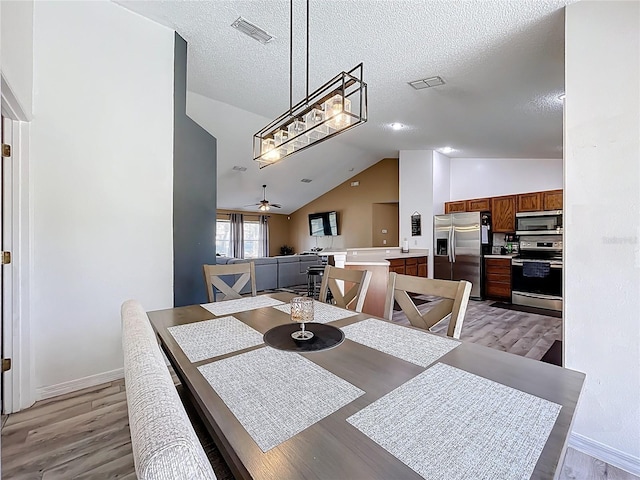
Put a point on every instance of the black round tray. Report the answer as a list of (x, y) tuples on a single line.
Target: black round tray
[(324, 337)]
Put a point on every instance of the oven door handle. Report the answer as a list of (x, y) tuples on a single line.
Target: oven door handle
[(520, 263)]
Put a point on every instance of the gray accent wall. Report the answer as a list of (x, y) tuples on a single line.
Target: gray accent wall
[(194, 193)]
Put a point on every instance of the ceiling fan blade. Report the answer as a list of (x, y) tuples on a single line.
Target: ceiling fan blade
[(252, 205), (276, 205)]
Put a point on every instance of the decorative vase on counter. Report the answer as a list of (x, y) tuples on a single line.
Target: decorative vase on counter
[(405, 246)]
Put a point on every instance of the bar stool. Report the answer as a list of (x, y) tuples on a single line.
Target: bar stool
[(314, 280)]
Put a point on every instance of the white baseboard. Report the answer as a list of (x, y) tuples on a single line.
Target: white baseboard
[(79, 384), (607, 454)]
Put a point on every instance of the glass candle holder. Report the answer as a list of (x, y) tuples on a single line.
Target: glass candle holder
[(302, 312)]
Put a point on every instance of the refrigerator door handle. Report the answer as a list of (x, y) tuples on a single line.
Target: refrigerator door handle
[(453, 244)]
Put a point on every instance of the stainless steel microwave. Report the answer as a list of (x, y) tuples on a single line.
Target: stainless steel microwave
[(548, 222)]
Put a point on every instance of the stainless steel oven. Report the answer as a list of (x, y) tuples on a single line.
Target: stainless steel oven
[(536, 273), (548, 222)]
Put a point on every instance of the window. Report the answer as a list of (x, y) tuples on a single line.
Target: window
[(251, 231), (223, 237)]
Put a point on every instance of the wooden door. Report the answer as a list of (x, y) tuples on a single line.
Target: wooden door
[(552, 200), (479, 205), (530, 202), (503, 214), (459, 206)]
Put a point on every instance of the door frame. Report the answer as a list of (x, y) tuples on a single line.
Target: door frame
[(19, 391)]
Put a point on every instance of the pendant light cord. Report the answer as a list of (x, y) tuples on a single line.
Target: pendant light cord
[(291, 57), (307, 52)]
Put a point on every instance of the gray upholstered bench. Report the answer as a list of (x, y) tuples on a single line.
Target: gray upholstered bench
[(165, 446)]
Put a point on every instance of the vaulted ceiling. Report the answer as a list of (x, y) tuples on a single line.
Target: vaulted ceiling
[(502, 61)]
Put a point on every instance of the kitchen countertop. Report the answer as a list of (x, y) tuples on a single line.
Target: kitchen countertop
[(508, 255), (380, 256), (409, 254)]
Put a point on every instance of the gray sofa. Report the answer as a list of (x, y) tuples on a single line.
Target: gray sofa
[(282, 271)]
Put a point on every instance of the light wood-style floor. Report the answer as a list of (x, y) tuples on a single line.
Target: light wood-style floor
[(85, 434), (521, 333)]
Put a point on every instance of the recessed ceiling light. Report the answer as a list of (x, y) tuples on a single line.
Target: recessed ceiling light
[(238, 168), (397, 126), (306, 180), (446, 150)]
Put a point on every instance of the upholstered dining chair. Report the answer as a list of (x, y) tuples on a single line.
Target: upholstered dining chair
[(224, 282), (355, 284), (455, 298)]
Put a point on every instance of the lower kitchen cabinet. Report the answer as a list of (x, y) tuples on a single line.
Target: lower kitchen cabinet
[(416, 266), (498, 278), (422, 267), (396, 265)]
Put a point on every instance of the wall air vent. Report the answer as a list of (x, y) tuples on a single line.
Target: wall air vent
[(427, 82), (252, 30), (306, 180), (238, 168)]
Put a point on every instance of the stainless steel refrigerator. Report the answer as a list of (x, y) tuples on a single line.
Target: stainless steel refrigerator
[(460, 241)]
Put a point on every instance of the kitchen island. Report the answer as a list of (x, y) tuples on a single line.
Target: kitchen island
[(380, 261)]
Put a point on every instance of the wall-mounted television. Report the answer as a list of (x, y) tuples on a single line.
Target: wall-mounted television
[(323, 224)]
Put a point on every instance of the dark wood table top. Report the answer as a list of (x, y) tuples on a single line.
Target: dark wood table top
[(332, 448)]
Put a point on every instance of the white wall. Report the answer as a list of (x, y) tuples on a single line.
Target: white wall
[(441, 182), (416, 195), (491, 177), (101, 165), (602, 220), (17, 50)]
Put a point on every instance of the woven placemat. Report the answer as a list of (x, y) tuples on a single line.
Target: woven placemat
[(419, 348), (211, 338), (240, 305), (275, 394), (448, 423), (322, 312)]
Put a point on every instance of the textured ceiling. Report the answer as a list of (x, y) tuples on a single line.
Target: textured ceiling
[(502, 61)]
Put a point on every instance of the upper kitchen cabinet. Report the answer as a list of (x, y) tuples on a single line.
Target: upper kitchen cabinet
[(503, 214), (552, 200), (479, 205), (530, 202), (452, 207)]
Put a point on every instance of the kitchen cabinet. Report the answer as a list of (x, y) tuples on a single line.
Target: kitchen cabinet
[(411, 266), (478, 205), (552, 200), (416, 266), (498, 278), (503, 214), (529, 202), (451, 207), (396, 265), (422, 267)]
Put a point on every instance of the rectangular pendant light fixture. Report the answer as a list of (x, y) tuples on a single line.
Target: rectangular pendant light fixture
[(335, 107)]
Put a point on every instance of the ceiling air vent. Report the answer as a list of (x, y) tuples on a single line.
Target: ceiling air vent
[(306, 180), (252, 30), (238, 168), (427, 82)]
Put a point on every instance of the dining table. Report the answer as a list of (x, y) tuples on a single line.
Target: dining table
[(366, 398)]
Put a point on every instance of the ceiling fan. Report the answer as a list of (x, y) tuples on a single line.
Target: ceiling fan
[(264, 204)]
